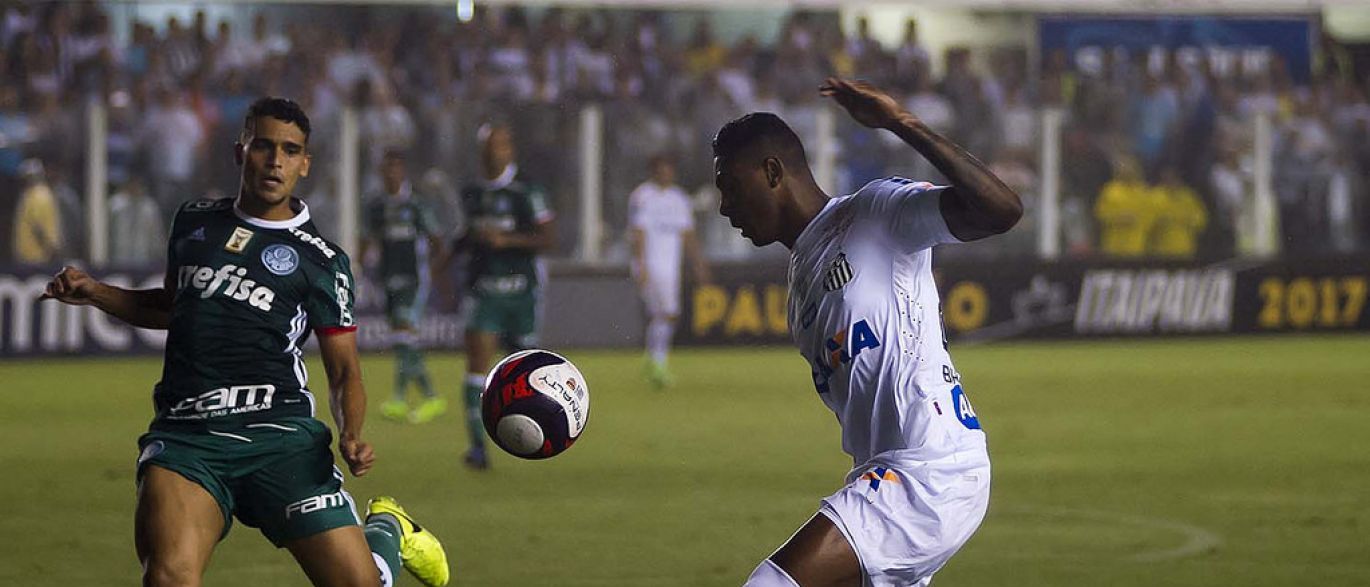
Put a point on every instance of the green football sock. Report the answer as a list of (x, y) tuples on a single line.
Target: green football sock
[(421, 375), (403, 369), (474, 427), (383, 536)]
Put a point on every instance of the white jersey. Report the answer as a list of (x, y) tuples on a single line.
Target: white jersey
[(664, 215), (865, 313)]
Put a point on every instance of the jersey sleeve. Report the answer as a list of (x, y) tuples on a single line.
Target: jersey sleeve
[(331, 296), (427, 218), (911, 212), (685, 212), (539, 211), (637, 212)]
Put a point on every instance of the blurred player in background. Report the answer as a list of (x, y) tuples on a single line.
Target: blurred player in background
[(661, 227), (864, 311), (406, 231), (508, 224), (247, 280)]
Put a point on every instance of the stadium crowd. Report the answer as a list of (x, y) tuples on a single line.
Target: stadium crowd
[(1157, 157)]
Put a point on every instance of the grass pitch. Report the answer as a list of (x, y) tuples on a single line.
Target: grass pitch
[(1179, 463)]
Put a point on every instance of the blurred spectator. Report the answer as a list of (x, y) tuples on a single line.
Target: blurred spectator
[(136, 226), (174, 137), (37, 220), (1126, 212), (1179, 217)]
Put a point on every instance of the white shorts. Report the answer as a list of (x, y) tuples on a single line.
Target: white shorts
[(661, 296), (904, 524)]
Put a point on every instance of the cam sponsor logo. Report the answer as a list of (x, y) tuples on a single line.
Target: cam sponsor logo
[(1142, 301), (842, 348), (310, 505), (317, 242), (225, 401), (232, 279)]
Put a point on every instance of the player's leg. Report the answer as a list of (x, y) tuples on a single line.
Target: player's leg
[(481, 342), (433, 405), (176, 526), (818, 555), (662, 298), (342, 557), (396, 306)]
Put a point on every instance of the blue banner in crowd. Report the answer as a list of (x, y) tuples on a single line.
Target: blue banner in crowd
[(1231, 45)]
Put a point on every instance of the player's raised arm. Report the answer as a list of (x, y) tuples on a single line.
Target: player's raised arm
[(347, 396), (144, 308), (977, 204)]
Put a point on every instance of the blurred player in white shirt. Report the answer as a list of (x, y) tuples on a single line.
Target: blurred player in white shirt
[(865, 313), (662, 227)]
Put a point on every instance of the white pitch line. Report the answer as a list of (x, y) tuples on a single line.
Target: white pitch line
[(1197, 540)]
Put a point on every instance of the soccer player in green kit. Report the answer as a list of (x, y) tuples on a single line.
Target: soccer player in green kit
[(405, 228), (509, 223), (234, 435)]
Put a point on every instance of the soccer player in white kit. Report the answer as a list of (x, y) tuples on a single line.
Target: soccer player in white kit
[(865, 313), (661, 227)]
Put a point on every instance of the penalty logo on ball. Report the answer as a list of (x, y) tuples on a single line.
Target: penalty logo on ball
[(535, 404)]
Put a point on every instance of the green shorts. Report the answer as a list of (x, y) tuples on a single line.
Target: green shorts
[(277, 476), (404, 305), (513, 317)]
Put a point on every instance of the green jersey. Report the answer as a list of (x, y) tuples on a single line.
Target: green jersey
[(511, 205), (402, 225), (248, 294)]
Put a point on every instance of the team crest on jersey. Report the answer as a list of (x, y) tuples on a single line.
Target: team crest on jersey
[(237, 242), (839, 273), (198, 235), (280, 259)]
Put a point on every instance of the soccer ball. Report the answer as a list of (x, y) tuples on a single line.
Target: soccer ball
[(535, 404)]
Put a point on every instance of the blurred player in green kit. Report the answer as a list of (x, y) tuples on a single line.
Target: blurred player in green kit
[(405, 228), (509, 224)]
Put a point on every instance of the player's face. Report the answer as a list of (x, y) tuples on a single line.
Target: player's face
[(392, 173), (748, 201), (663, 173), (499, 149), (273, 158)]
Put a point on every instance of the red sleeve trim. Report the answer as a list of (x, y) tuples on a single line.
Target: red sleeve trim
[(332, 330)]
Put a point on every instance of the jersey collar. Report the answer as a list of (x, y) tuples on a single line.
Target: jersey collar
[(504, 179), (301, 217)]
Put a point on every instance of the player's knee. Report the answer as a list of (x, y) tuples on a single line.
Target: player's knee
[(769, 574), (169, 573)]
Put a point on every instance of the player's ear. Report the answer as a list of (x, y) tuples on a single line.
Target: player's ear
[(775, 171), (304, 169)]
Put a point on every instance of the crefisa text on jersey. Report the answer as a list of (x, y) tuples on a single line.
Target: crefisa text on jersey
[(239, 288)]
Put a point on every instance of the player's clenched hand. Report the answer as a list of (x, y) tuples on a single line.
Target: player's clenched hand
[(357, 454), (866, 103), (72, 286)]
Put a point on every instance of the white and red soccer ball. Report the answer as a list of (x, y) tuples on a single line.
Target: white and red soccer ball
[(535, 404)]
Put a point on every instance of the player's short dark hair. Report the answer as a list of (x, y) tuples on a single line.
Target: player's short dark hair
[(395, 154), (282, 109), (763, 132)]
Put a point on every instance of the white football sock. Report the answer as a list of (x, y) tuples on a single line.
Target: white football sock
[(387, 576), (659, 331), (769, 574)]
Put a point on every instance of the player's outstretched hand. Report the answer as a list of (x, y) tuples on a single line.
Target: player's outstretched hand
[(72, 286), (357, 454), (866, 103)]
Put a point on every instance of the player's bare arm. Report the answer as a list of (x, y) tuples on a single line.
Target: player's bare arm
[(348, 398), (977, 204), (144, 308), (694, 253)]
